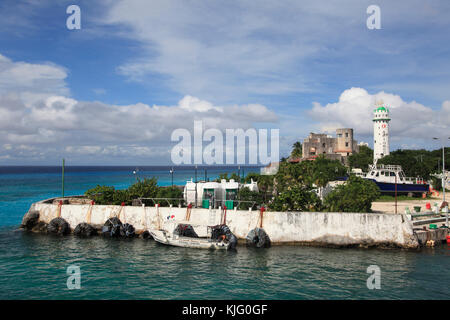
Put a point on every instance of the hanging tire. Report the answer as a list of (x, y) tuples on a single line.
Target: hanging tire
[(58, 226), (146, 235), (30, 220), (112, 227), (84, 230), (258, 238), (127, 231)]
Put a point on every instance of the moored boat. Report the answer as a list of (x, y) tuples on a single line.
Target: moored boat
[(182, 234), (391, 179)]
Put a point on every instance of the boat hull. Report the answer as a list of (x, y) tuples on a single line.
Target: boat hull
[(166, 238), (402, 188)]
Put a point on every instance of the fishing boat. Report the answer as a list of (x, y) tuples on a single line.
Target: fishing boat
[(391, 179), (182, 234)]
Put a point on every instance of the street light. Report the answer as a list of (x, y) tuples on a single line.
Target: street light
[(444, 178), (171, 173), (196, 186)]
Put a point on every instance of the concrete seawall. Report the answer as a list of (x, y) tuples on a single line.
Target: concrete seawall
[(307, 228)]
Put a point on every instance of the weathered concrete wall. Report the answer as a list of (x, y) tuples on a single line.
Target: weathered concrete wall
[(320, 228)]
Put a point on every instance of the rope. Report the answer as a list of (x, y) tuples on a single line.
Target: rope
[(58, 212), (158, 216), (188, 212), (224, 210), (89, 213), (145, 217), (261, 215)]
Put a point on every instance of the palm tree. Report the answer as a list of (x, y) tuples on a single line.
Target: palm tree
[(296, 150)]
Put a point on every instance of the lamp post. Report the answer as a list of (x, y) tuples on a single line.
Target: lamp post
[(196, 186), (62, 178), (444, 178), (171, 173)]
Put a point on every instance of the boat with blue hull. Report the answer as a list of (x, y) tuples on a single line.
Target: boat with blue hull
[(390, 178)]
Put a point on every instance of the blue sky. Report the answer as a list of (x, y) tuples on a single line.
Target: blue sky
[(113, 91)]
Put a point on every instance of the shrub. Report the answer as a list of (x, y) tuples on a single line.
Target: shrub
[(296, 198), (356, 195), (146, 188), (245, 194), (169, 192), (101, 194)]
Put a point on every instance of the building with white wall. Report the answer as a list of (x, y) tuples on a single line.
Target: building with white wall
[(380, 131)]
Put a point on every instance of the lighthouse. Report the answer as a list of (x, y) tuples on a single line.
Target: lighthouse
[(380, 131)]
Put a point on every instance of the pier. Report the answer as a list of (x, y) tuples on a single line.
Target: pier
[(333, 229)]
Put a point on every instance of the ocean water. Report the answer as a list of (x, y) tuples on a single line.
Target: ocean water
[(34, 266)]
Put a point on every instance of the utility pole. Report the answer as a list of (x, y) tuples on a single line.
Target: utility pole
[(62, 182), (444, 178), (196, 186)]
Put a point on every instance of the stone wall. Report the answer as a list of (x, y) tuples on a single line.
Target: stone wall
[(315, 228)]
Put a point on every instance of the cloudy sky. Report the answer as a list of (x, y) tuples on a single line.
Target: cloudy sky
[(115, 90)]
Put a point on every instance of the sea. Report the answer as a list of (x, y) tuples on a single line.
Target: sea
[(43, 267)]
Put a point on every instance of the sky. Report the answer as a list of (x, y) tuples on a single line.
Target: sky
[(114, 91)]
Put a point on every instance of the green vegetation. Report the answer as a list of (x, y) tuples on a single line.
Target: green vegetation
[(251, 196), (146, 188), (297, 151), (291, 188), (389, 198), (356, 195), (296, 198), (418, 163), (362, 159), (225, 176)]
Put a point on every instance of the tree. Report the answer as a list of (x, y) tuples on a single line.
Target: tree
[(296, 150), (169, 193), (356, 195), (296, 198), (418, 163), (146, 188), (245, 194), (362, 159), (101, 194)]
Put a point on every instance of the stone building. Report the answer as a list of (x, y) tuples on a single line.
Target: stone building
[(338, 148)]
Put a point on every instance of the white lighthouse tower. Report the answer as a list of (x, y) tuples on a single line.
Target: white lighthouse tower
[(380, 131)]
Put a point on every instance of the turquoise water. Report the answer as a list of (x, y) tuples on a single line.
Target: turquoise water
[(33, 266)]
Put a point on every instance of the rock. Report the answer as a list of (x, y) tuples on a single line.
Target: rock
[(30, 220)]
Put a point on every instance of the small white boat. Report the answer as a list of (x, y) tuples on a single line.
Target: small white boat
[(180, 239)]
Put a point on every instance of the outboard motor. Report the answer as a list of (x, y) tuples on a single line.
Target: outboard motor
[(127, 231), (222, 230), (112, 227)]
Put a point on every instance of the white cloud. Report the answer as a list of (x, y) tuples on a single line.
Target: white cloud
[(56, 124), (224, 50), (354, 109), (31, 82)]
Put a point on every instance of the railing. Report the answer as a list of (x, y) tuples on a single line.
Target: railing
[(169, 201), (392, 167), (216, 203)]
